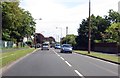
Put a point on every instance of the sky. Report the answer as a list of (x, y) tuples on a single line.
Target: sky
[(56, 15)]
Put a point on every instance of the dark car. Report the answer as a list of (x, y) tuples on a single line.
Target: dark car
[(66, 48), (57, 46), (37, 45)]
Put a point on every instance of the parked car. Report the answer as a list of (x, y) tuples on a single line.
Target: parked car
[(37, 45), (66, 48), (57, 46), (45, 46)]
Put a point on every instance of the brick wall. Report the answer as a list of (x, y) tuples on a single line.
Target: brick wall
[(107, 47)]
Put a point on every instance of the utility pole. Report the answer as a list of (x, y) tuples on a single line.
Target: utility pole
[(89, 34)]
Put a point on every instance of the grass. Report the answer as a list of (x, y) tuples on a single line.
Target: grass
[(13, 48), (8, 57), (110, 57)]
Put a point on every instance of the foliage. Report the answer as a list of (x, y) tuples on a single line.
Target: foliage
[(113, 32), (16, 22), (100, 29), (29, 43), (69, 39), (98, 26), (113, 16)]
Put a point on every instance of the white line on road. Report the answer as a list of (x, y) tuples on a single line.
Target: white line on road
[(104, 68), (58, 55), (13, 63), (62, 58), (78, 73), (68, 64), (101, 60)]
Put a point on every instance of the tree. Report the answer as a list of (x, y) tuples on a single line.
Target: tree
[(16, 22), (113, 16), (98, 26), (69, 39), (113, 33)]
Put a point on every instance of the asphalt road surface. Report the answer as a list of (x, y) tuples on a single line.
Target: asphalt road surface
[(53, 63)]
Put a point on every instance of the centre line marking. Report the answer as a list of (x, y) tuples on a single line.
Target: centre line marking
[(68, 64), (62, 58), (78, 73), (58, 55)]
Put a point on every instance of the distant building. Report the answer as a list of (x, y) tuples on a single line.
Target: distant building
[(119, 6), (40, 39)]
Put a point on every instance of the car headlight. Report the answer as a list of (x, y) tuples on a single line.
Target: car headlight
[(70, 48)]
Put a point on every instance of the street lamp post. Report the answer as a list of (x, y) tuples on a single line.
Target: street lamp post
[(66, 31), (61, 32), (89, 34), (35, 33)]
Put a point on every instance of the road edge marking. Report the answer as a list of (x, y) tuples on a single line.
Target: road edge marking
[(3, 69), (98, 59)]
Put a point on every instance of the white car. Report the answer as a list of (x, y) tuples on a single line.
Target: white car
[(45, 46), (66, 48)]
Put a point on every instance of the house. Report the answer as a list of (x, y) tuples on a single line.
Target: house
[(39, 38)]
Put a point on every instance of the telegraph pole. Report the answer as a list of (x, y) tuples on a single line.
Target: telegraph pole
[(89, 34)]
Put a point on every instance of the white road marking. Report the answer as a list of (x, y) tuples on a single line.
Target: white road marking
[(62, 58), (78, 73), (100, 60), (58, 55), (55, 52), (13, 63), (104, 68), (68, 64)]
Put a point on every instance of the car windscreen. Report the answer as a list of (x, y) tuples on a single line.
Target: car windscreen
[(45, 44), (57, 44), (66, 46)]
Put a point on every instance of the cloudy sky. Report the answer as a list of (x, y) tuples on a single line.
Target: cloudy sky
[(62, 13)]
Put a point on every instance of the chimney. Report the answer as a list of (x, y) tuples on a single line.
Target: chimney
[(119, 6)]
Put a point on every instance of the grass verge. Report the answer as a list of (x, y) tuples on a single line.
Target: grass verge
[(109, 57), (8, 57)]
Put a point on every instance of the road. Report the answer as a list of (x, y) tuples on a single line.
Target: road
[(54, 63)]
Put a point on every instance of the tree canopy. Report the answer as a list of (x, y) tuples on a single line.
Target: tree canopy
[(69, 39), (99, 27), (16, 22), (113, 33)]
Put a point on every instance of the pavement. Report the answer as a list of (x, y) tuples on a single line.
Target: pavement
[(52, 63)]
